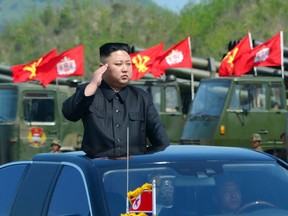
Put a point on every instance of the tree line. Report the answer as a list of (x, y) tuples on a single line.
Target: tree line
[(211, 24)]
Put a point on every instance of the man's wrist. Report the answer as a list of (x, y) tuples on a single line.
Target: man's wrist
[(90, 89)]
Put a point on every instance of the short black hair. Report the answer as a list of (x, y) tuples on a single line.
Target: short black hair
[(107, 48)]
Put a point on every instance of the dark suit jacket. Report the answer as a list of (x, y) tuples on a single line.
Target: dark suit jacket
[(108, 118)]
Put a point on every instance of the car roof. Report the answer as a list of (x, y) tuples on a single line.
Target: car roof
[(173, 153), (250, 78)]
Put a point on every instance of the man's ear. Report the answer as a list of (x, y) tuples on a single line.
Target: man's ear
[(101, 64)]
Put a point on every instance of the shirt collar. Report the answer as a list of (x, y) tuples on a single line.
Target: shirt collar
[(109, 93)]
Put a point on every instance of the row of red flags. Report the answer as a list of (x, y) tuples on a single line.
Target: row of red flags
[(243, 57), (240, 60), (51, 66), (71, 63)]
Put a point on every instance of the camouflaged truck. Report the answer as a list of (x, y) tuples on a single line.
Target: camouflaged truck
[(31, 117), (227, 111)]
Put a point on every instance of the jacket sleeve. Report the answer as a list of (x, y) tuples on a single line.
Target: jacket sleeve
[(75, 106), (155, 129)]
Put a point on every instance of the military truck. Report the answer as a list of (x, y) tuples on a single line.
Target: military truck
[(31, 117), (169, 100), (227, 111)]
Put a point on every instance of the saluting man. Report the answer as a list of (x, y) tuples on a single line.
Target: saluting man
[(108, 106)]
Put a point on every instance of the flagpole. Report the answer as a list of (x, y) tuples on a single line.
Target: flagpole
[(154, 197), (192, 85), (282, 54), (251, 46), (192, 75), (127, 171)]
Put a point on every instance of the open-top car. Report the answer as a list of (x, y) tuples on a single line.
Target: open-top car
[(186, 180)]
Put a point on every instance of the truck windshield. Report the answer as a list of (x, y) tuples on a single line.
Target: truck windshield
[(210, 98), (39, 107), (8, 98), (248, 96), (155, 91)]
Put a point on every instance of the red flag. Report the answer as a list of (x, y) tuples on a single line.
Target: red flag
[(71, 62), (142, 62), (227, 65), (177, 56), (68, 63), (142, 203), (268, 53), (28, 72)]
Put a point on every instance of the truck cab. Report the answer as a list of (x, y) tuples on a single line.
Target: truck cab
[(167, 100), (227, 111), (31, 117)]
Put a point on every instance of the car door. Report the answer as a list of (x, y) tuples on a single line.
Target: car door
[(10, 180), (51, 189)]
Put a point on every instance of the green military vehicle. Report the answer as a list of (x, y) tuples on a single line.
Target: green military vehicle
[(227, 111), (31, 117), (167, 99)]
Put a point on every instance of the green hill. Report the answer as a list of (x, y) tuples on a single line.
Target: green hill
[(211, 24), (15, 10)]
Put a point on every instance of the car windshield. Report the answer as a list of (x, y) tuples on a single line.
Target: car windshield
[(210, 98), (192, 188)]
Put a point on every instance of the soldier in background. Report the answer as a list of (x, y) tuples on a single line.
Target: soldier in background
[(256, 142), (56, 145)]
